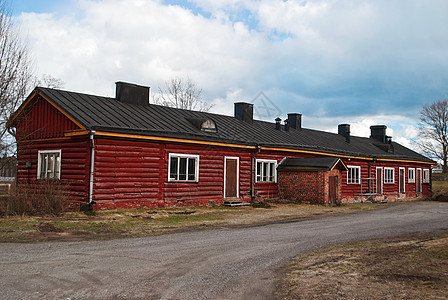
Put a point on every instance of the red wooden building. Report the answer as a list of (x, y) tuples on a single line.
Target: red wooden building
[(123, 151)]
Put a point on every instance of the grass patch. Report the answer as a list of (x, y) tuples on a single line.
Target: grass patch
[(138, 222), (440, 190), (412, 267), (261, 205)]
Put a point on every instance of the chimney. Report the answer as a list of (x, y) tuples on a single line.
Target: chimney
[(131, 93), (295, 121), (244, 111), (344, 130), (286, 125), (378, 132), (277, 123)]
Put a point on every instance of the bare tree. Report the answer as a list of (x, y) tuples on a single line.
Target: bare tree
[(182, 93), (49, 81), (15, 73), (433, 131)]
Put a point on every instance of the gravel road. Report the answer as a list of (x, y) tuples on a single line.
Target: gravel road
[(223, 263)]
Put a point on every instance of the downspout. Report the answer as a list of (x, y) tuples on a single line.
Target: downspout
[(92, 162), (252, 174), (370, 174)]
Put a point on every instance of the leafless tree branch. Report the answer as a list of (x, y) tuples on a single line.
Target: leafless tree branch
[(15, 74), (181, 93), (433, 131)]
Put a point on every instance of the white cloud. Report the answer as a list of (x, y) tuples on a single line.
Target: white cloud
[(358, 62)]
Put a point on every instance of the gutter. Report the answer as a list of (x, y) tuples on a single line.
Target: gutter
[(92, 164)]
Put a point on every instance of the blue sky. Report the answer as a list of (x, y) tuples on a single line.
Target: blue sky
[(41, 6), (358, 62)]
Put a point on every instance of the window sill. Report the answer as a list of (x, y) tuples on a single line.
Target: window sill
[(182, 181)]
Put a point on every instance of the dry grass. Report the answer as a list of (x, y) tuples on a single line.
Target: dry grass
[(401, 268), (39, 198), (440, 190), (117, 223)]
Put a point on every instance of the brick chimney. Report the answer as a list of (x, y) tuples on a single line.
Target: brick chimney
[(244, 111), (295, 121), (378, 132), (131, 93), (344, 130)]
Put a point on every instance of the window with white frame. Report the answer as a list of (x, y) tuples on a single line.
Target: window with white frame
[(49, 164), (353, 174), (183, 167), (425, 175), (266, 170), (411, 175), (389, 175)]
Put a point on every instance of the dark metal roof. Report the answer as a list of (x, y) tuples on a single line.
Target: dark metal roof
[(108, 114), (312, 164)]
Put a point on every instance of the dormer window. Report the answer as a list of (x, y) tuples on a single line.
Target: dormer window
[(208, 125), (203, 124)]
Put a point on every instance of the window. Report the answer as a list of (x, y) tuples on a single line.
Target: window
[(183, 167), (266, 170), (209, 126), (389, 175), (411, 175), (353, 175), (425, 175), (49, 164)]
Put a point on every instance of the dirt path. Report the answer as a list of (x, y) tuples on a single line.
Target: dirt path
[(241, 263)]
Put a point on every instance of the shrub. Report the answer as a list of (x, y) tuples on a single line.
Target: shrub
[(39, 198)]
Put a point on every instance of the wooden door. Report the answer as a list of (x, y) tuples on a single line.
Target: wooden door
[(231, 178), (418, 181), (333, 190), (401, 180), (379, 181)]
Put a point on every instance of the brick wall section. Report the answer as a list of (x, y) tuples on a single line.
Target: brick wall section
[(307, 186), (326, 185)]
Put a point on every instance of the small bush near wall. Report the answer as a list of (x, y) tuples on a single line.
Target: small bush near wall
[(39, 198)]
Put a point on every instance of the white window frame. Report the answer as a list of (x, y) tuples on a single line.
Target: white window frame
[(187, 156), (404, 179), (411, 178), (350, 179), (425, 175), (48, 174), (389, 179), (259, 178)]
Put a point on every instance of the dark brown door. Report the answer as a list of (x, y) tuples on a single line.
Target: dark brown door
[(401, 179), (379, 181), (231, 185), (333, 190), (418, 183)]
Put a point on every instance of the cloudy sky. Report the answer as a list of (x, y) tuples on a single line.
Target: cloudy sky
[(357, 62)]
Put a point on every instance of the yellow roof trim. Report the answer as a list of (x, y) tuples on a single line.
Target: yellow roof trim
[(344, 156), (76, 132), (409, 161), (166, 139), (314, 152)]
